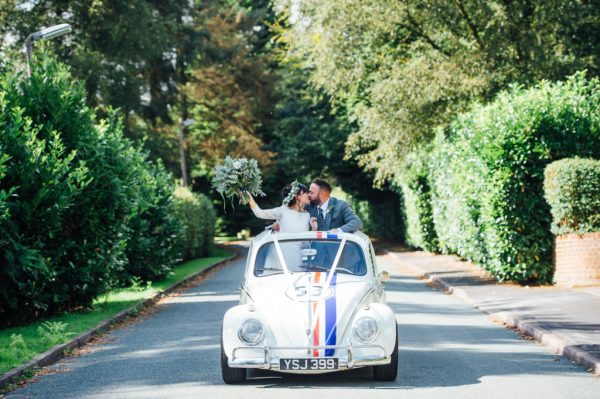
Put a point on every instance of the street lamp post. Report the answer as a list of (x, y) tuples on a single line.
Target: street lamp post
[(184, 175), (44, 34)]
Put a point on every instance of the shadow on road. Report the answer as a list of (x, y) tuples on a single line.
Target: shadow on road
[(442, 344)]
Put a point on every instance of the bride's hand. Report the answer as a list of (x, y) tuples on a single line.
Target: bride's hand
[(251, 201), (314, 224), (242, 196)]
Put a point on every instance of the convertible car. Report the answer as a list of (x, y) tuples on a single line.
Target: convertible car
[(310, 303)]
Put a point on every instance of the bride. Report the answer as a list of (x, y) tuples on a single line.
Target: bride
[(291, 215), (292, 218)]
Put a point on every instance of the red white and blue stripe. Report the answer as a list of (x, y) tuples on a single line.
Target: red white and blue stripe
[(326, 235), (325, 330)]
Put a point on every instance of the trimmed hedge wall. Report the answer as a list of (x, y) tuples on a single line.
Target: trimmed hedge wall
[(416, 196), (457, 181), (486, 175), (572, 189), (196, 213)]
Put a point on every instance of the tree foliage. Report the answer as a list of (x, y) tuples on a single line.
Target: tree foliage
[(405, 67), (159, 63), (228, 93), (309, 136)]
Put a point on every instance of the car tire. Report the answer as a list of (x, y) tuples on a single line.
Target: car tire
[(388, 372), (230, 375)]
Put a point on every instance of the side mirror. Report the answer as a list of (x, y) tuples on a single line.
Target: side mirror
[(384, 277)]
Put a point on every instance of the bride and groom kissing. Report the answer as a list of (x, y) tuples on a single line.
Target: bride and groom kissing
[(309, 208)]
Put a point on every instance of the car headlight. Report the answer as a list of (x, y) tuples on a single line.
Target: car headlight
[(365, 329), (251, 331)]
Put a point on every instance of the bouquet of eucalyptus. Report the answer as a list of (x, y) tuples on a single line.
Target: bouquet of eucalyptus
[(237, 175)]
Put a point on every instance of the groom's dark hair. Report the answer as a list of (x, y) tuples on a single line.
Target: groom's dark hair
[(323, 185)]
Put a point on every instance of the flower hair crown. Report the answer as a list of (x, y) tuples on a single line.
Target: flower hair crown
[(293, 191)]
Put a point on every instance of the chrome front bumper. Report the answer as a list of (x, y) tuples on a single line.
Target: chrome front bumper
[(347, 359)]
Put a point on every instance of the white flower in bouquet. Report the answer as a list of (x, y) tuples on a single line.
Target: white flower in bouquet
[(237, 175)]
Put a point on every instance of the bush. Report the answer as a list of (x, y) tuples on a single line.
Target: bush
[(380, 215), (72, 191), (46, 179), (487, 174), (572, 189), (456, 206), (4, 194), (196, 213), (418, 213), (153, 246)]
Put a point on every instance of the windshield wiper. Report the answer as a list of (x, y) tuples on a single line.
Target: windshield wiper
[(315, 267)]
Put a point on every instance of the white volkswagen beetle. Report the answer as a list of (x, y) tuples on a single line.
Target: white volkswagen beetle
[(310, 303)]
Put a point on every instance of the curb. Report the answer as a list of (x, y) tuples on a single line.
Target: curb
[(555, 343), (58, 352)]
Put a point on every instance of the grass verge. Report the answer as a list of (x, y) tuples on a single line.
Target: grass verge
[(225, 239), (20, 344)]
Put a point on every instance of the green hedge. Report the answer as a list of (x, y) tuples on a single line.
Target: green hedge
[(4, 194), (380, 215), (416, 200), (155, 231), (81, 207), (572, 189), (457, 181), (486, 173), (196, 213)]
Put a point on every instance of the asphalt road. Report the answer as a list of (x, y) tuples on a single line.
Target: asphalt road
[(447, 350)]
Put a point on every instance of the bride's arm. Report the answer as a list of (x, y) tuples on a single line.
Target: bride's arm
[(271, 214)]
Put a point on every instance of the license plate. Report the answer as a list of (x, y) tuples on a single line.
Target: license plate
[(309, 364)]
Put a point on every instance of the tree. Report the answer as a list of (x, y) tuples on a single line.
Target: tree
[(228, 92), (162, 62), (406, 67), (309, 136), (127, 52)]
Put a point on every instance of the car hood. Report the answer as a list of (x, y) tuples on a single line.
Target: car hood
[(301, 309)]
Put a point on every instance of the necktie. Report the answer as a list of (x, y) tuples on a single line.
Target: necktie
[(320, 218)]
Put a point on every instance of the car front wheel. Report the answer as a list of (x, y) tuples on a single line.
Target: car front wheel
[(230, 375), (388, 372)]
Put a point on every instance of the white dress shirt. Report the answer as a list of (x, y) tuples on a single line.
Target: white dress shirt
[(323, 207)]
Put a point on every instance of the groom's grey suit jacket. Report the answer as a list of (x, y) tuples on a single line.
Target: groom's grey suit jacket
[(339, 216)]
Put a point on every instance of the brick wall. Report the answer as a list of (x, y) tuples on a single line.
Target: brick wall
[(577, 259)]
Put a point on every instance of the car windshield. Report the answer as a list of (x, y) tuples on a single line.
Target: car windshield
[(310, 256)]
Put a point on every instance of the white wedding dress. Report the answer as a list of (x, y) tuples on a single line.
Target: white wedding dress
[(290, 221)]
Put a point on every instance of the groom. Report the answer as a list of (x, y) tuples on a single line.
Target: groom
[(331, 213)]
